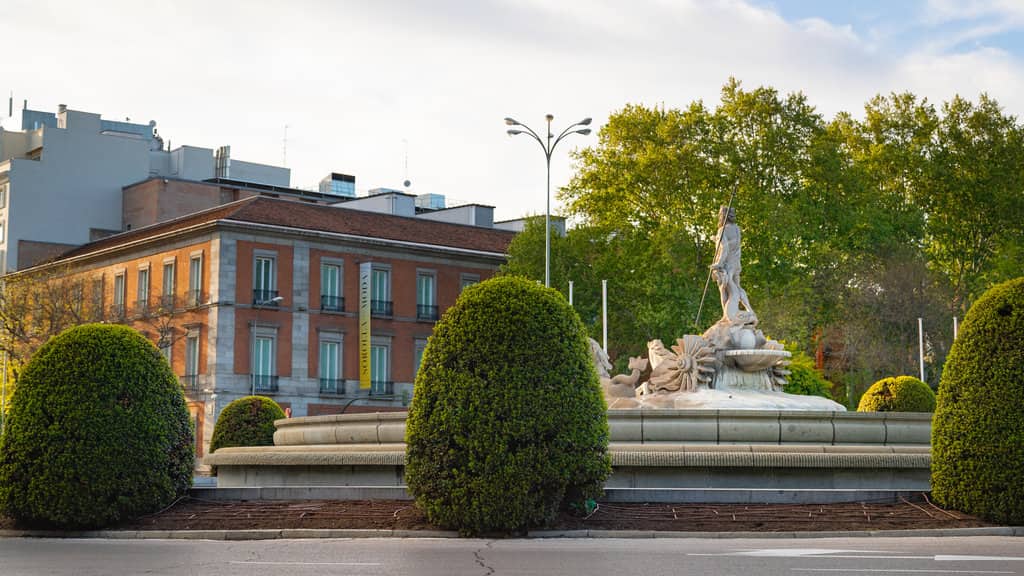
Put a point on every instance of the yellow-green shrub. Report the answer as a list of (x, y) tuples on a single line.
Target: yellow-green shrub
[(978, 428), (898, 394)]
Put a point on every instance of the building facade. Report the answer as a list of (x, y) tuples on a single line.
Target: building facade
[(61, 179), (262, 295)]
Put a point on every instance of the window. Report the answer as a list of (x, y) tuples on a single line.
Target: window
[(97, 298), (419, 347), (330, 287), (165, 351), (264, 369), (118, 309), (426, 296), (4, 187), (467, 280), (330, 365), (167, 296), (2, 230), (142, 292), (380, 290), (380, 369), (195, 280), (192, 360), (264, 287)]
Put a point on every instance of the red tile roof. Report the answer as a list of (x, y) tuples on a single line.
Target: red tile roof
[(320, 218)]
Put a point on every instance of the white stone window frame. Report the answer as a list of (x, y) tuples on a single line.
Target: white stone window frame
[(140, 294), (259, 331), (263, 254), (340, 263), (173, 284), (467, 279), (419, 347), (195, 286), (335, 337)]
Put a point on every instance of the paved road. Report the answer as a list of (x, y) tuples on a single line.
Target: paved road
[(589, 557)]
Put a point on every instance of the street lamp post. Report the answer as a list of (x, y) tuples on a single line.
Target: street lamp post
[(255, 329), (548, 146)]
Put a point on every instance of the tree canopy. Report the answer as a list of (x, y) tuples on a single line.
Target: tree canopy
[(853, 227)]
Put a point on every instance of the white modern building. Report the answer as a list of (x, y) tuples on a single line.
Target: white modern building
[(62, 175)]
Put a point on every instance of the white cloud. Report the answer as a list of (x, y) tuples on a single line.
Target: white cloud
[(359, 82)]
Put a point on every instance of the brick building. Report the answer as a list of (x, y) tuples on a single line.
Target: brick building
[(263, 294)]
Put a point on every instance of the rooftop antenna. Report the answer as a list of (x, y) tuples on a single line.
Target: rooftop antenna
[(406, 181), (284, 147)]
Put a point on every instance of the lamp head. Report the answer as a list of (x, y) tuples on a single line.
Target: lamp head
[(511, 122), (585, 131), (513, 132), (585, 122)]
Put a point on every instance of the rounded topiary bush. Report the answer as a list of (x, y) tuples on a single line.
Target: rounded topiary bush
[(978, 428), (507, 421), (98, 432), (898, 394), (248, 421)]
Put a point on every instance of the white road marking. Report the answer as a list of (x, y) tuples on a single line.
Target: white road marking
[(304, 563), (891, 571), (972, 558)]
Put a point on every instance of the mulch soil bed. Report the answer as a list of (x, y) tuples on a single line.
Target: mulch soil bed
[(195, 514)]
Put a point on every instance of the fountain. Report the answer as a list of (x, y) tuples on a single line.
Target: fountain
[(733, 365), (709, 424)]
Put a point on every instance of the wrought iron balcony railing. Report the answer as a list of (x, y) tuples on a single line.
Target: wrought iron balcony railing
[(261, 297), (332, 303), (332, 386), (381, 308), (190, 382), (426, 312), (264, 382), (381, 387)]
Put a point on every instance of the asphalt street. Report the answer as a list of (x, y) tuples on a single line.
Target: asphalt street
[(979, 555)]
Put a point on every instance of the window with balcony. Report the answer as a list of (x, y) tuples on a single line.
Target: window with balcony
[(426, 296), (97, 299), (142, 292), (264, 280), (191, 377), (167, 302), (380, 290), (380, 369), (330, 365), (467, 280), (419, 347), (331, 298), (195, 280), (119, 287), (264, 367)]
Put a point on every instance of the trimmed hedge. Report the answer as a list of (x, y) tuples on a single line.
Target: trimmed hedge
[(98, 432), (248, 421), (507, 423), (898, 394), (978, 428)]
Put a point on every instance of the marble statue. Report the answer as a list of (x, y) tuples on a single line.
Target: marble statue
[(726, 267), (733, 365)]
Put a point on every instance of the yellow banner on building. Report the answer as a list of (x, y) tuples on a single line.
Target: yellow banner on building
[(365, 279)]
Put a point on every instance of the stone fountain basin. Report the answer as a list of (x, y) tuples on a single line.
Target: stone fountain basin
[(756, 359)]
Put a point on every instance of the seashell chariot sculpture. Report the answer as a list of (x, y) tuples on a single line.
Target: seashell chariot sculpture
[(731, 366)]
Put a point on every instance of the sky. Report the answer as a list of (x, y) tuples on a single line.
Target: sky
[(395, 90)]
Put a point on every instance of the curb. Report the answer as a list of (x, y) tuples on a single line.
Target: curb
[(301, 533)]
